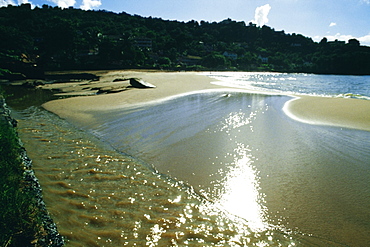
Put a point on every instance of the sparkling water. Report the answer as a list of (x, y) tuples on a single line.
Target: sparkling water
[(311, 84)]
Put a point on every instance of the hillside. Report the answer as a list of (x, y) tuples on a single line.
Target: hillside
[(51, 38)]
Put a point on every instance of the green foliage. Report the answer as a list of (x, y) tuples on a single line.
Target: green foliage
[(215, 61), (77, 39), (19, 222), (4, 72)]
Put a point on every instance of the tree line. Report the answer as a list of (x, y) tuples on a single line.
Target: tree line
[(52, 38)]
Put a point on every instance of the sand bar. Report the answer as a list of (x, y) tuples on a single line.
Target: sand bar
[(342, 112)]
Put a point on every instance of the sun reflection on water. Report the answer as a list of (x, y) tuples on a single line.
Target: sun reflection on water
[(240, 194), (239, 190)]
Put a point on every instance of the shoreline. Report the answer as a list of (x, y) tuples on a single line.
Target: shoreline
[(339, 112), (82, 110)]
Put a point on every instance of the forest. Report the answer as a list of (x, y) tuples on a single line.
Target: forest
[(51, 38)]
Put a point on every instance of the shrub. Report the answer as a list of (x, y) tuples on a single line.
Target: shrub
[(19, 221)]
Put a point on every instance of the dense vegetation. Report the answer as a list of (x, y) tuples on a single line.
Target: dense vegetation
[(57, 39), (20, 223)]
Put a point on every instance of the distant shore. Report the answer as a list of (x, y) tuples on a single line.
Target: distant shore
[(341, 112)]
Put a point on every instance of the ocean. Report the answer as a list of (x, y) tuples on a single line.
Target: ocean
[(292, 83), (219, 168)]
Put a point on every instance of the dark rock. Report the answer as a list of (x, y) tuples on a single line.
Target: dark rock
[(117, 90), (72, 77), (104, 90), (120, 79), (110, 90), (138, 83), (33, 83)]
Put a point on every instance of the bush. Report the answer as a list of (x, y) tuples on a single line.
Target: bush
[(19, 221)]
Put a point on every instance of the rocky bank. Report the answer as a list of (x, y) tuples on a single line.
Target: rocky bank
[(51, 236)]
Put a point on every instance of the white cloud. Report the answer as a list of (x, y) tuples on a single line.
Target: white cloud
[(338, 36), (90, 4), (86, 4), (4, 3), (26, 1), (63, 3), (332, 24), (364, 40), (260, 15), (365, 1)]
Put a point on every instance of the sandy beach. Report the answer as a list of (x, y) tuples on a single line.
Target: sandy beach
[(341, 112), (239, 149), (78, 109)]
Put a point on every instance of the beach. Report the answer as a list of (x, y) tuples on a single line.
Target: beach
[(341, 112), (79, 109), (241, 150)]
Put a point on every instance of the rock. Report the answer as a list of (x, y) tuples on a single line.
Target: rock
[(111, 90), (104, 90), (120, 79), (138, 83), (72, 77), (117, 90), (33, 83)]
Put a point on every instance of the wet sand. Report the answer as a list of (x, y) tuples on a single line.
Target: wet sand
[(341, 112)]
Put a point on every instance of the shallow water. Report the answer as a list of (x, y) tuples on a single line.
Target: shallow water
[(349, 86), (241, 152), (98, 197), (258, 177)]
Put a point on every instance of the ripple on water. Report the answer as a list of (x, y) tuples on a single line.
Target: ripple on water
[(99, 197)]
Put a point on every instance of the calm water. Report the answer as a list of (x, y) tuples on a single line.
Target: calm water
[(98, 197), (312, 84), (232, 170), (242, 153)]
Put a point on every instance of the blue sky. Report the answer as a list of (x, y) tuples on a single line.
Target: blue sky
[(334, 19)]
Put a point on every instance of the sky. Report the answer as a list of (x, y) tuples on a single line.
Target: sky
[(333, 19)]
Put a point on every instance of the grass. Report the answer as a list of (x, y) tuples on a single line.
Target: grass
[(19, 221)]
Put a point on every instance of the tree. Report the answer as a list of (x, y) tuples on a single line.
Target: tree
[(324, 41), (354, 42), (164, 61), (215, 60), (64, 39)]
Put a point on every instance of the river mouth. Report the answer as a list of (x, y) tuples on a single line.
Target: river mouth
[(243, 153), (100, 197)]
